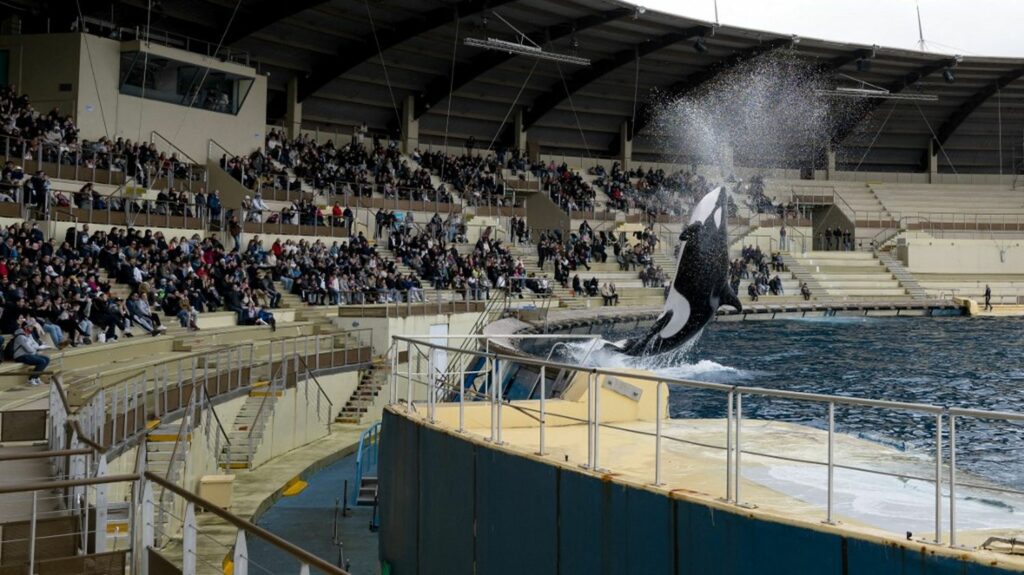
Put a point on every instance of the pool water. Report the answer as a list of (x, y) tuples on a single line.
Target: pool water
[(952, 362)]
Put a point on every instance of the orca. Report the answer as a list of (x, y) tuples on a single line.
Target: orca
[(701, 283)]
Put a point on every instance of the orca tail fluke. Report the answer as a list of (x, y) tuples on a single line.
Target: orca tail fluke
[(727, 297)]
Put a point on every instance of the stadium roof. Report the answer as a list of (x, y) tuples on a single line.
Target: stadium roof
[(334, 48)]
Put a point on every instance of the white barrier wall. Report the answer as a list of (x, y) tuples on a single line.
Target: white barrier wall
[(964, 256)]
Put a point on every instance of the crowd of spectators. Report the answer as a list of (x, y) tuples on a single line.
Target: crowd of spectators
[(762, 272)]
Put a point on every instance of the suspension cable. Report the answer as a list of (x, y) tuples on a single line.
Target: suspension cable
[(878, 133), (383, 64), (451, 95)]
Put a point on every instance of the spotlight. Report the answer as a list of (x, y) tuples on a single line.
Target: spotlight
[(863, 65), (699, 45), (639, 12), (948, 75)]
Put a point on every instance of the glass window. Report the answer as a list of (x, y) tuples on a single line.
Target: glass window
[(182, 83)]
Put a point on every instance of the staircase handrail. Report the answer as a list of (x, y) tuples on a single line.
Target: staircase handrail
[(209, 405), (320, 389), (155, 134), (369, 435), (209, 149)]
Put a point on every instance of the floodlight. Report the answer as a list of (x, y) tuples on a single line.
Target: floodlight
[(525, 50)]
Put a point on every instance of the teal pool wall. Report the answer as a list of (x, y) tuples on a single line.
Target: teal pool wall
[(451, 506)]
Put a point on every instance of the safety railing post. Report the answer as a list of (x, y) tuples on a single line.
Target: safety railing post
[(831, 463), (543, 409), (658, 415), (189, 547), (739, 448), (597, 421), (952, 480), (500, 396), (462, 398), (493, 398), (938, 479), (32, 534), (408, 376), (728, 447)]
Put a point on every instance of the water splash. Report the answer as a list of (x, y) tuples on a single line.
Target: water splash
[(677, 363), (766, 110)]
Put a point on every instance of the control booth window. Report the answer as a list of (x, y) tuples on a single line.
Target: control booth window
[(183, 83)]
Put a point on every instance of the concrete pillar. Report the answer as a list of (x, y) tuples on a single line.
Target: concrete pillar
[(519, 132), (293, 112), (625, 146), (410, 125), (830, 164), (933, 163), (726, 160)]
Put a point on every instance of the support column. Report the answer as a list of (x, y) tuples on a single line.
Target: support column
[(520, 133), (293, 112), (933, 163), (726, 160), (830, 164), (625, 145), (410, 125)]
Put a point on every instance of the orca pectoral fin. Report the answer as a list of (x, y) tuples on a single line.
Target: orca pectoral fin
[(727, 297)]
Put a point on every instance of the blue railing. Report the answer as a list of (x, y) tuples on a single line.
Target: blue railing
[(366, 457)]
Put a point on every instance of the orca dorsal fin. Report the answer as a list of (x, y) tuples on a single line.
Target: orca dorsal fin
[(727, 297)]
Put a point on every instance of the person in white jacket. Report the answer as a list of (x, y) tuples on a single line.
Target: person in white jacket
[(26, 350)]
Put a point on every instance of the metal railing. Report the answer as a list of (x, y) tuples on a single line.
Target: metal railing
[(944, 479), (366, 456)]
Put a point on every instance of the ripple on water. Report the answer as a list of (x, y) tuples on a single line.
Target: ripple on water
[(942, 361)]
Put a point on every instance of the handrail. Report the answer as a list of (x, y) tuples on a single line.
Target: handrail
[(205, 398), (301, 554), (212, 143), (330, 404), (173, 145), (61, 484), (43, 454), (373, 431)]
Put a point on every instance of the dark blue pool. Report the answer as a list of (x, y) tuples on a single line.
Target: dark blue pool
[(976, 363)]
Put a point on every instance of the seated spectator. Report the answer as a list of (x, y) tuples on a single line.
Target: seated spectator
[(25, 349), (608, 294)]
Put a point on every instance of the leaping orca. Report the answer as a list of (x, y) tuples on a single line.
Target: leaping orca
[(701, 283)]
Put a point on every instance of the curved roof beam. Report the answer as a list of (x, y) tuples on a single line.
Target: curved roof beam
[(265, 13), (949, 127), (351, 54), (646, 114), (443, 87), (846, 128), (559, 92)]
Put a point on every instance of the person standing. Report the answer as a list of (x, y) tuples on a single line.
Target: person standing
[(988, 298), (782, 238)]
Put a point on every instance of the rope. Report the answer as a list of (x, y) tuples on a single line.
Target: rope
[(935, 138), (878, 133), (145, 67), (451, 95), (513, 106), (206, 72), (572, 105), (636, 87), (92, 69), (383, 64)]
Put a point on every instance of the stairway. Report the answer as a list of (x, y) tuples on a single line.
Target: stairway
[(366, 394), (902, 275), (164, 460), (246, 433), (367, 491), (850, 274), (801, 273)]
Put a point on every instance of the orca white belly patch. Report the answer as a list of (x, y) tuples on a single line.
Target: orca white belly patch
[(680, 309)]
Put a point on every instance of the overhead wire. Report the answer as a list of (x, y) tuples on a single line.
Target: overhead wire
[(383, 64), (877, 134), (572, 105), (92, 70), (451, 94), (513, 106), (935, 138), (206, 71)]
